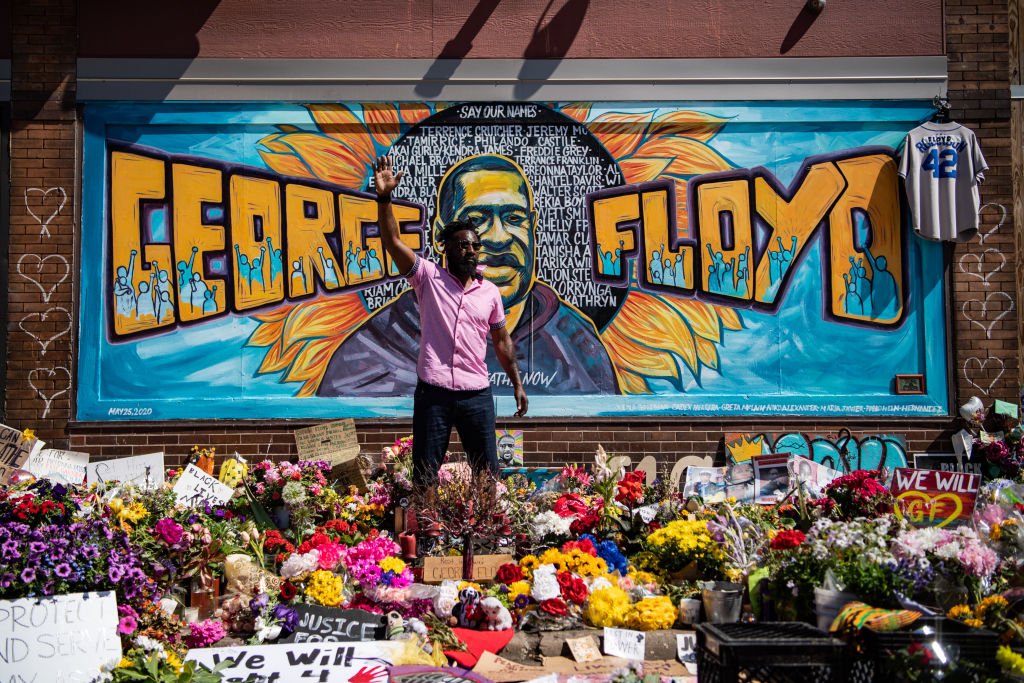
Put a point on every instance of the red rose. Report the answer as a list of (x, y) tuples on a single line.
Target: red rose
[(585, 524), (573, 589), (288, 591), (787, 539), (555, 606), (296, 476), (631, 488), (584, 546), (509, 573), (570, 504)]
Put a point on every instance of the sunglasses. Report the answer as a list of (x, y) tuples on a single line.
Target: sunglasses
[(464, 245)]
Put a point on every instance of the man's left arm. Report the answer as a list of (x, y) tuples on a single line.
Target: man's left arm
[(505, 349)]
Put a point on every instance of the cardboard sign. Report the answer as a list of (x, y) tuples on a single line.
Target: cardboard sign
[(621, 642), (606, 665), (485, 567), (771, 478), (196, 488), (318, 624), (145, 471), (501, 670), (15, 450), (686, 650), (63, 636), (584, 649), (321, 662), (932, 498), (945, 462), (510, 447), (437, 569), (334, 442), (60, 467)]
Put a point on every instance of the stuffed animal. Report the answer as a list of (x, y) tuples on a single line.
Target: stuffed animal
[(445, 599), (496, 615), (467, 610)]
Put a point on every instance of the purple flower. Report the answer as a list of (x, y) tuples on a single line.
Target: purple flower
[(36, 547), (28, 574), (287, 617), (63, 570), (90, 552), (115, 573), (258, 603), (6, 580), (9, 550)]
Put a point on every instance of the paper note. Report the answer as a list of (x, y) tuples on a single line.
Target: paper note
[(621, 642), (584, 649), (437, 569)]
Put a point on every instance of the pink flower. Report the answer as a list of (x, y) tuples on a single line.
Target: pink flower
[(330, 555), (168, 531), (992, 514), (203, 633), (127, 625)]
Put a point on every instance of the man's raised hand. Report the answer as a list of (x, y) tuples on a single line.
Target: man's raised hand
[(385, 180)]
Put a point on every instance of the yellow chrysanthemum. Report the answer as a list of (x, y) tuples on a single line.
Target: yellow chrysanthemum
[(607, 607), (651, 614), (992, 601), (960, 612), (1010, 661), (325, 588), (392, 564), (976, 623)]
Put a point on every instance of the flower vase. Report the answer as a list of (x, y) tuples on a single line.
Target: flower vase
[(829, 603), (687, 573), (281, 517), (723, 602), (203, 596)]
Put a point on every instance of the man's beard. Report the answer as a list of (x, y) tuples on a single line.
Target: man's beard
[(462, 267)]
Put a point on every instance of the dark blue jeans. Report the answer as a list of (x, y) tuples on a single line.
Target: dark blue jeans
[(435, 411)]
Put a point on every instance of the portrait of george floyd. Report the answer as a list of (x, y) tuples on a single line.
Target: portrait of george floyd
[(558, 346)]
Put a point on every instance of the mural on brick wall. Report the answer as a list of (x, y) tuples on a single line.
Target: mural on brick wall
[(737, 258)]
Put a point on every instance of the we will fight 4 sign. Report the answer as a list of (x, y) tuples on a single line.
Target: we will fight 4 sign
[(934, 498)]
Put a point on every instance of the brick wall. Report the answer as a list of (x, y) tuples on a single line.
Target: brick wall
[(40, 326), (984, 302), (42, 290)]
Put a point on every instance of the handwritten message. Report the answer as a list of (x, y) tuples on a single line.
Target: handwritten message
[(145, 471), (334, 442), (584, 649), (324, 663), (196, 488), (15, 450), (61, 467), (621, 642), (933, 498), (437, 569), (318, 624), (65, 638)]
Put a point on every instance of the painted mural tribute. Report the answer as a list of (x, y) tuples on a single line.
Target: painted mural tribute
[(733, 258)]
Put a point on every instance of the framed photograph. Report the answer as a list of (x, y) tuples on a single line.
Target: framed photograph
[(909, 384)]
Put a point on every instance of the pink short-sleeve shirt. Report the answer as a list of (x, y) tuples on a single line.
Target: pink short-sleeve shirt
[(455, 323)]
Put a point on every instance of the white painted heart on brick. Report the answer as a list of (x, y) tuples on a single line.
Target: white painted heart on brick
[(982, 236), (983, 321), (37, 321), (30, 267), (974, 269), (59, 199), (972, 361), (60, 376)]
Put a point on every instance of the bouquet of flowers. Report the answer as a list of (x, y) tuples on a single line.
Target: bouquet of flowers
[(858, 494), (956, 555), (1001, 457), (300, 488), (684, 542)]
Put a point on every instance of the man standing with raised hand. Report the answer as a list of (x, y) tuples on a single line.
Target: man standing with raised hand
[(457, 308)]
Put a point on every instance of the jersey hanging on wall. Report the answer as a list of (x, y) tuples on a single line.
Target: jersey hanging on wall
[(942, 166)]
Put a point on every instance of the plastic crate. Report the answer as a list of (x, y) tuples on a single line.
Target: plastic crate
[(962, 642), (768, 652)]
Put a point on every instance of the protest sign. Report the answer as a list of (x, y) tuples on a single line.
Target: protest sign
[(771, 478), (196, 488), (606, 665), (510, 447), (932, 498), (686, 650), (318, 624), (60, 467), (621, 642), (15, 450), (486, 566), (146, 471), (336, 443), (61, 637), (501, 670), (321, 662), (945, 462), (437, 569)]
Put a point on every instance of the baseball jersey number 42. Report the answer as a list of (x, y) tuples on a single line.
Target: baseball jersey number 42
[(941, 164)]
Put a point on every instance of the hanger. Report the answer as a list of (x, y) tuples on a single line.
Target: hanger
[(942, 107)]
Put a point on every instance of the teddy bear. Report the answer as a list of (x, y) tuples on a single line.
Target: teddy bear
[(496, 615), (467, 610)]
